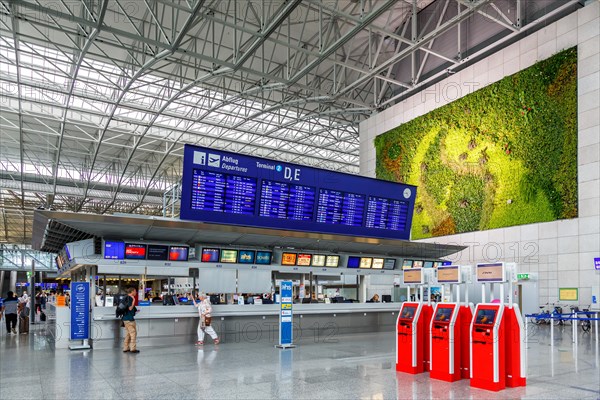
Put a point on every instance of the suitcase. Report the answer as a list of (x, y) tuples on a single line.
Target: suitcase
[(24, 325)]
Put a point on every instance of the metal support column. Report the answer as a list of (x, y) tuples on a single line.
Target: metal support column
[(104, 291), (32, 294), (12, 283)]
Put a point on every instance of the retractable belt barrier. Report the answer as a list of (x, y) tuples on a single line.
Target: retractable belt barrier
[(568, 318)]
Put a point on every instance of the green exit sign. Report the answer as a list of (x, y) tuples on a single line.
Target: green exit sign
[(522, 277)]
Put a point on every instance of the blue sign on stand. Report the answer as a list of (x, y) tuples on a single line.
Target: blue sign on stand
[(285, 315), (80, 310)]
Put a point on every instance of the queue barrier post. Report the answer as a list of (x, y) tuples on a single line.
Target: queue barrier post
[(551, 332)]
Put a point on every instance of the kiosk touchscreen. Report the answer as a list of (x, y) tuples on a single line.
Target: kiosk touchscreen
[(445, 343), (488, 368), (409, 346)]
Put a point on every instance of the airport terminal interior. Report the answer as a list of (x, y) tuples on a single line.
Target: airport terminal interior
[(300, 199)]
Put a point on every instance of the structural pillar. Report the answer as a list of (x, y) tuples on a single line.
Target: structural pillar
[(362, 282), (12, 283), (32, 294)]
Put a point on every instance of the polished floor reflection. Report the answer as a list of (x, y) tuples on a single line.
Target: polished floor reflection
[(332, 367)]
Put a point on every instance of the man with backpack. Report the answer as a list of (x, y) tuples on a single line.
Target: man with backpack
[(129, 321)]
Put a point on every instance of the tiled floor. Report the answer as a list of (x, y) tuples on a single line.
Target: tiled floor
[(340, 367)]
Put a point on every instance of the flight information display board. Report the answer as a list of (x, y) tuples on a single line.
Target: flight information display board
[(284, 201), (385, 213), (340, 208), (226, 193), (229, 188)]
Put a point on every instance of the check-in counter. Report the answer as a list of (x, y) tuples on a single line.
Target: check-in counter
[(59, 324), (159, 325)]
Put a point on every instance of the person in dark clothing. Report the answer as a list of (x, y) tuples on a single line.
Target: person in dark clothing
[(10, 310), (129, 322)]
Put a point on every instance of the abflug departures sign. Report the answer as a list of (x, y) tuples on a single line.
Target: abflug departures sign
[(229, 188)]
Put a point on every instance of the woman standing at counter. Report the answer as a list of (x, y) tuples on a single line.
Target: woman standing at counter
[(205, 310)]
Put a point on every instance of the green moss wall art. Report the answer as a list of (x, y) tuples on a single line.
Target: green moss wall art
[(501, 156)]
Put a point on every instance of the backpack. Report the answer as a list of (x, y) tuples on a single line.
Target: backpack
[(122, 307)]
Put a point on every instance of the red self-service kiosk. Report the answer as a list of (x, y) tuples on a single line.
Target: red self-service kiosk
[(409, 342), (512, 322), (456, 276), (445, 343), (488, 368), (417, 348)]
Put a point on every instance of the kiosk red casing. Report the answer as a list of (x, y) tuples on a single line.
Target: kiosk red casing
[(514, 333), (445, 343), (426, 315), (465, 316), (409, 339), (488, 368)]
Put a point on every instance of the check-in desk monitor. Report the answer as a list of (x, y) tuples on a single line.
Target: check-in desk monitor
[(413, 276), (448, 274), (494, 272)]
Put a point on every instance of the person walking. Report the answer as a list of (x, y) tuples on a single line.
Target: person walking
[(129, 346), (23, 311), (10, 310), (204, 325)]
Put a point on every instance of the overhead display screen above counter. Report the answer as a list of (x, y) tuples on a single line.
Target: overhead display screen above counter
[(229, 188), (117, 250), (158, 252)]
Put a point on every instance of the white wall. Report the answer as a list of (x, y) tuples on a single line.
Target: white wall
[(561, 252)]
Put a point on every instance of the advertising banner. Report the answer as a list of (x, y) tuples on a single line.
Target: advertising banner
[(568, 294)]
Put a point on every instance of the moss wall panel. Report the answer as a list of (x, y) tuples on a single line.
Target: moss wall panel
[(504, 155)]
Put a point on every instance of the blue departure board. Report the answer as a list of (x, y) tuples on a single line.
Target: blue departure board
[(223, 193), (337, 207), (284, 201), (302, 203), (385, 213), (229, 188)]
